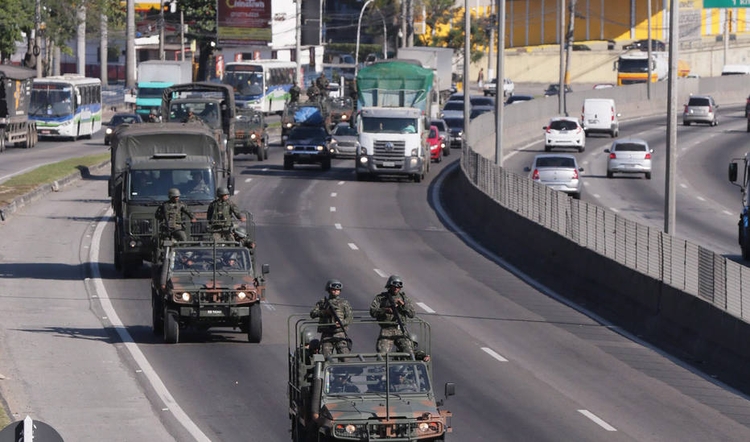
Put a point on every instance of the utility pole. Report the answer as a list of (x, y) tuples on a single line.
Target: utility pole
[(669, 191), (561, 38), (182, 34), (568, 53), (160, 24), (36, 51), (650, 60), (500, 88), (467, 60), (493, 20), (298, 43), (130, 45), (81, 39)]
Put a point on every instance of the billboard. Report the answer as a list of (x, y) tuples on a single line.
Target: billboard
[(243, 22)]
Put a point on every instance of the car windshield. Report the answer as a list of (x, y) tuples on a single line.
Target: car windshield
[(124, 119), (345, 129), (481, 101), (455, 123), (196, 259), (153, 184), (302, 132), (440, 125), (454, 105), (630, 147), (561, 162), (563, 125), (376, 379)]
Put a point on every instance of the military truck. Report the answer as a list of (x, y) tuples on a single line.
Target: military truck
[(250, 133), (339, 109), (216, 101), (361, 396), (15, 98), (207, 284), (310, 113), (146, 161)]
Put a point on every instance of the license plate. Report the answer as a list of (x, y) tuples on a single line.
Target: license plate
[(46, 131), (389, 164), (212, 312), (593, 121)]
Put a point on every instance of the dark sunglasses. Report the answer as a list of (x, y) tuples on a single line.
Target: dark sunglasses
[(397, 284), (335, 287)]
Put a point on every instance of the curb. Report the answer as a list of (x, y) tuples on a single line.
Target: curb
[(47, 188)]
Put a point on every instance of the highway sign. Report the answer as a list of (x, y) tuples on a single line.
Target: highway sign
[(707, 4)]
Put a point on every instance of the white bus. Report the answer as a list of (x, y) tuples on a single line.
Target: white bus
[(66, 106), (260, 84)]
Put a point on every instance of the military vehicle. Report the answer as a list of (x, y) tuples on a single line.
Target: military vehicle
[(216, 101), (340, 110), (15, 98), (146, 161), (310, 113), (362, 396), (207, 284), (250, 133)]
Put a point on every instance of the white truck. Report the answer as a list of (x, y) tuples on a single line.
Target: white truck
[(153, 77), (632, 67), (394, 97), (440, 60)]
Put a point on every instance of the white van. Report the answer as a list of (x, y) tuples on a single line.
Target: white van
[(736, 69), (599, 115)]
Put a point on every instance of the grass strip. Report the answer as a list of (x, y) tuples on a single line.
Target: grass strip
[(22, 184)]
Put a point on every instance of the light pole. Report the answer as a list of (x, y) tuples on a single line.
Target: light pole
[(359, 25)]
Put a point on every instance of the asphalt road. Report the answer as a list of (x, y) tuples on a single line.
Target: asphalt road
[(527, 366)]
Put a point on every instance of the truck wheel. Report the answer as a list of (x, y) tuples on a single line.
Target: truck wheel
[(130, 266), (2, 137), (157, 321), (259, 153), (362, 176), (417, 177), (171, 327), (255, 324)]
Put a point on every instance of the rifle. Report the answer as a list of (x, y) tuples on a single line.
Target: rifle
[(400, 322), (329, 307)]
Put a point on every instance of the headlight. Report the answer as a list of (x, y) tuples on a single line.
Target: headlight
[(185, 296), (319, 148), (350, 428), (415, 152), (108, 131), (343, 117), (289, 147), (460, 133), (288, 125), (423, 426), (252, 137), (241, 295)]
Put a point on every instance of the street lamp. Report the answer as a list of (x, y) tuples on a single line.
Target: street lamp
[(359, 26)]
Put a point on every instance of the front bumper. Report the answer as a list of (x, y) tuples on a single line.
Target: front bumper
[(402, 166)]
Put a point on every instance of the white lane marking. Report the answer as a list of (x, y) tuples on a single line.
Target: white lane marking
[(597, 420), (236, 192), (494, 354), (726, 212), (683, 185), (380, 273), (341, 183), (333, 194), (333, 209), (353, 246), (247, 180), (338, 226), (700, 198), (140, 360), (596, 195), (268, 305), (425, 307)]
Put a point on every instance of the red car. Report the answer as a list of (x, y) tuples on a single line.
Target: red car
[(436, 143)]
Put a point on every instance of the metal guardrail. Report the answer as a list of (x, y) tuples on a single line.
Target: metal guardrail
[(678, 263)]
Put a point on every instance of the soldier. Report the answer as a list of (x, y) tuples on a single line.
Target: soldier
[(313, 93), (240, 235), (322, 83), (153, 117), (294, 93), (335, 315), (169, 214), (190, 117), (229, 261), (197, 184), (220, 213), (389, 308), (341, 382)]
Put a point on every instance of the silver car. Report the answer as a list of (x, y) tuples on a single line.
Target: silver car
[(629, 155), (701, 109), (344, 141), (559, 172)]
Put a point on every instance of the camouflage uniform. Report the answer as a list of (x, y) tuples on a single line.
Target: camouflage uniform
[(330, 335), (322, 83), (169, 214), (390, 332), (313, 93), (219, 216), (294, 93)]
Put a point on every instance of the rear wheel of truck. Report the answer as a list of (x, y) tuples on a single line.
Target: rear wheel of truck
[(157, 321), (417, 177), (130, 266), (259, 153), (2, 138), (171, 328), (254, 324)]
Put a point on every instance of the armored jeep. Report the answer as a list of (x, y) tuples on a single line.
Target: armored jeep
[(250, 133), (361, 396), (206, 284), (310, 113), (340, 110)]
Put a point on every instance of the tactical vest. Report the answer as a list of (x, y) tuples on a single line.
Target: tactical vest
[(173, 215), (221, 216)]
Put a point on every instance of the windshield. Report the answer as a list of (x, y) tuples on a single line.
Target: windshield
[(150, 92), (224, 259), (626, 65), (245, 83), (375, 379), (390, 125), (454, 105), (51, 100), (455, 123), (304, 132), (345, 129), (206, 112), (154, 184)]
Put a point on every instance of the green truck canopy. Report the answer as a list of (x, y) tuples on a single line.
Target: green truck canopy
[(394, 84)]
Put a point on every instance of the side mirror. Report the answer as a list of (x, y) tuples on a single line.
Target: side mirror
[(450, 389), (732, 172), (527, 169), (265, 269)]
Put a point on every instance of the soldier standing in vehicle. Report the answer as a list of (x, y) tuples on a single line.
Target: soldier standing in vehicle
[(220, 213), (390, 307), (240, 235), (322, 83), (169, 214), (335, 315), (294, 93), (313, 93)]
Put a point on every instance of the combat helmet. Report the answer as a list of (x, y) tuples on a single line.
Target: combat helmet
[(174, 192), (240, 232), (221, 191), (394, 280), (334, 284)]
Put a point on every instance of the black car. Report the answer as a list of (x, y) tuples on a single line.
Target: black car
[(307, 145), (554, 89), (515, 99), (656, 45), (456, 129), (118, 119)]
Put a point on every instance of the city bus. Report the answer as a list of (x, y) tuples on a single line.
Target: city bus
[(66, 106), (260, 84)]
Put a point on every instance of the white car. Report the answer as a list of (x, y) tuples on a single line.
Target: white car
[(564, 132), (490, 88)]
